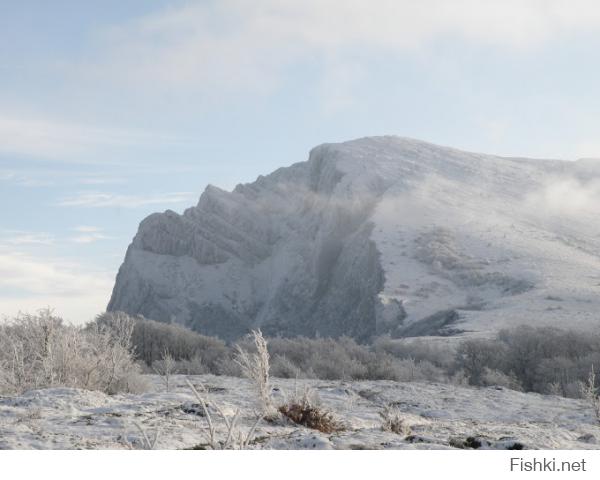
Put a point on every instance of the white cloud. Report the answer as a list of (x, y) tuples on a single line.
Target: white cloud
[(22, 238), (102, 199), (87, 229), (26, 180), (40, 177), (28, 283), (51, 138), (234, 43), (100, 180), (17, 238), (88, 234), (89, 238)]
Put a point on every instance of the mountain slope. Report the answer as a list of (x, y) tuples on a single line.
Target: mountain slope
[(372, 236)]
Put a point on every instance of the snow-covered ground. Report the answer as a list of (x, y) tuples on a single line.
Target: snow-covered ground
[(439, 416)]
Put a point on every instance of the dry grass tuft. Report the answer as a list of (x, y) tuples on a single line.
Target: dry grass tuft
[(255, 367), (394, 421), (306, 412)]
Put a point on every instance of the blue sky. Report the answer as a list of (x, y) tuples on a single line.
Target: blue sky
[(112, 110)]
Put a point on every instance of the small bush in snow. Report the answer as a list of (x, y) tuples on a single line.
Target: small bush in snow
[(165, 367), (39, 351), (306, 411), (282, 367), (497, 378), (392, 420), (193, 353), (590, 393)]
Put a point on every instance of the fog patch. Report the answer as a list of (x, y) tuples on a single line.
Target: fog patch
[(565, 196)]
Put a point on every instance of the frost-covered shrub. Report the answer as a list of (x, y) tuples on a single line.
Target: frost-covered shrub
[(544, 360), (474, 356), (539, 356), (336, 364), (324, 358), (386, 367), (409, 370), (150, 340), (343, 358), (165, 368), (497, 378), (193, 366), (589, 391), (393, 420), (39, 351), (438, 353), (282, 367), (255, 367)]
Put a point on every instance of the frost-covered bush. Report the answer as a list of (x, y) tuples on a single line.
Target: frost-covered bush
[(539, 356), (189, 349), (344, 359), (475, 356), (324, 358), (193, 366), (39, 351), (589, 391), (165, 368), (282, 367), (497, 378), (393, 420), (255, 367), (440, 354), (544, 360)]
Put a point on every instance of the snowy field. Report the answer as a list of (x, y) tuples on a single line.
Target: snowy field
[(437, 416)]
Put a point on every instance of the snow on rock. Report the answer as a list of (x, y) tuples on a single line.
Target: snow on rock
[(375, 236), (438, 416)]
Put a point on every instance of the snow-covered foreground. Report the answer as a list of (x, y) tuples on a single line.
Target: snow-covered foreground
[(440, 416)]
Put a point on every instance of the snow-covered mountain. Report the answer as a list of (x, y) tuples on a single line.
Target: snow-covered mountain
[(377, 235)]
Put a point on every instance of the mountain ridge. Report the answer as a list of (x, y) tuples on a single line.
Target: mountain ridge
[(370, 237)]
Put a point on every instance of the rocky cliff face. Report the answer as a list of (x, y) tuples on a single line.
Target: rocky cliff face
[(373, 236)]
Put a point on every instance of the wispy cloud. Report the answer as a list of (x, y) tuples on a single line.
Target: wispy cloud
[(22, 238), (236, 44), (28, 283), (88, 234), (24, 180), (82, 235), (51, 138), (102, 199), (100, 180), (40, 177), (89, 238), (87, 229)]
